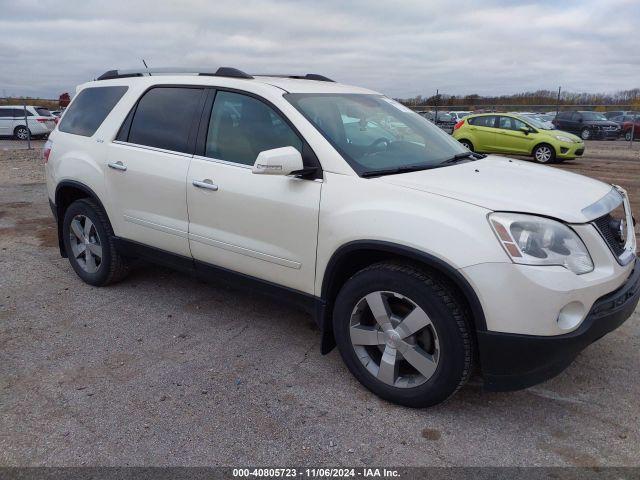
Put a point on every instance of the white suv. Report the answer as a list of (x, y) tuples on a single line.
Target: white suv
[(420, 259), (40, 121)]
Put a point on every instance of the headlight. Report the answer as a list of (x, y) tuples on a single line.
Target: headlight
[(564, 139), (532, 240)]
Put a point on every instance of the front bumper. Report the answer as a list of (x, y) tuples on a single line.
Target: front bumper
[(512, 361), (570, 150)]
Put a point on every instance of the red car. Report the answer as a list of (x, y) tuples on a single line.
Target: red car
[(628, 127)]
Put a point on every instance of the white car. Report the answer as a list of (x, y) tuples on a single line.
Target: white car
[(420, 259), (458, 116), (12, 121)]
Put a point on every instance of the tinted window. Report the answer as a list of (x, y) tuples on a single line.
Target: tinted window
[(242, 126), (485, 121), (43, 112), (6, 112), (89, 109), (164, 117), (564, 116)]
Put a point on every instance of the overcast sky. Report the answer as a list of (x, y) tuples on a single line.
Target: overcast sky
[(401, 49)]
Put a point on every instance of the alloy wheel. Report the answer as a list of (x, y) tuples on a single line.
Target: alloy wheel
[(22, 133), (543, 154), (85, 243), (585, 134), (394, 339)]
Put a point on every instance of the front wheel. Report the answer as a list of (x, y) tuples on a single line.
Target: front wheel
[(89, 244), (627, 136), (403, 334), (544, 153)]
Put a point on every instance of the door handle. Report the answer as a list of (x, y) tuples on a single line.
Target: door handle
[(117, 166), (206, 184)]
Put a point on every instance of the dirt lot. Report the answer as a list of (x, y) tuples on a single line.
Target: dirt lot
[(162, 369)]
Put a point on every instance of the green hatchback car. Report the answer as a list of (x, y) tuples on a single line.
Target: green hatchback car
[(517, 135)]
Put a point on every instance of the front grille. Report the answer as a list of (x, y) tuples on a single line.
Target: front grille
[(603, 224)]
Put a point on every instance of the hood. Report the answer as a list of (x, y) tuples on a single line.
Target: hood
[(602, 123), (498, 183), (553, 133)]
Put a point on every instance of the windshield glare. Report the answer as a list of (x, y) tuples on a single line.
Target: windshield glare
[(538, 123), (593, 116), (373, 132)]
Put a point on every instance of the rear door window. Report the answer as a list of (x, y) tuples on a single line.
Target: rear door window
[(164, 118), (485, 121), (89, 109)]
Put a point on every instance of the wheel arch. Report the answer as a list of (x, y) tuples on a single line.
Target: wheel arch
[(544, 142), (354, 256), (67, 192)]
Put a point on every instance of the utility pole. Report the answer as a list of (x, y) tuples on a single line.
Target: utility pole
[(437, 97), (558, 102)]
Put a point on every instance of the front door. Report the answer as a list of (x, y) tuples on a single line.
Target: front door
[(147, 168), (264, 226), (510, 138)]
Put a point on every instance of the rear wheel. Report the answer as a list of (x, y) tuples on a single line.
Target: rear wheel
[(544, 153), (403, 335), (21, 132), (467, 144), (89, 243), (585, 134), (627, 136)]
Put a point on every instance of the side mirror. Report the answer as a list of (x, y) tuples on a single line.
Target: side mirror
[(278, 161), (525, 130)]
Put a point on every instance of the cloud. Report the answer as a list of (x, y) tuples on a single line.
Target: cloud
[(402, 49)]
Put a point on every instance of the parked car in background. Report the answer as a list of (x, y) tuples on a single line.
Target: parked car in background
[(457, 116), (587, 124), (518, 135), (617, 113), (631, 129), (12, 121), (442, 119), (544, 119), (621, 119)]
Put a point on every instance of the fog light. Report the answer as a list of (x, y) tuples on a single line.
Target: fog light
[(571, 315)]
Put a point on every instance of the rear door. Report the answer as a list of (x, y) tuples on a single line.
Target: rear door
[(147, 167), (264, 226), (484, 133), (6, 121), (510, 138)]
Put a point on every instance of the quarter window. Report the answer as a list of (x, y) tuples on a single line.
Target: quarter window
[(242, 126), (89, 109), (164, 118)]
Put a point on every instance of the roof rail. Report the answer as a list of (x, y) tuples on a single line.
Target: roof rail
[(308, 76), (220, 72)]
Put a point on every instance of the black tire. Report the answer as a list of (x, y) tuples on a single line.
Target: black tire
[(112, 267), (544, 153), (627, 136), (438, 300), (21, 132), (585, 133), (467, 144)]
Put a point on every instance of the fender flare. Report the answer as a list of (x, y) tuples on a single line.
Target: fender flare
[(59, 214), (325, 309)]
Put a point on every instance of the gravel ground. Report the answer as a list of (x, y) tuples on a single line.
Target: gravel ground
[(163, 369)]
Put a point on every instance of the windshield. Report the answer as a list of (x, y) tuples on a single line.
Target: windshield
[(373, 132), (593, 116), (538, 123)]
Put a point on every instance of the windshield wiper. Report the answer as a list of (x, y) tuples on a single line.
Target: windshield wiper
[(415, 168), (395, 170), (461, 156)]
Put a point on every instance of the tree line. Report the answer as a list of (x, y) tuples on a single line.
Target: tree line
[(538, 97)]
